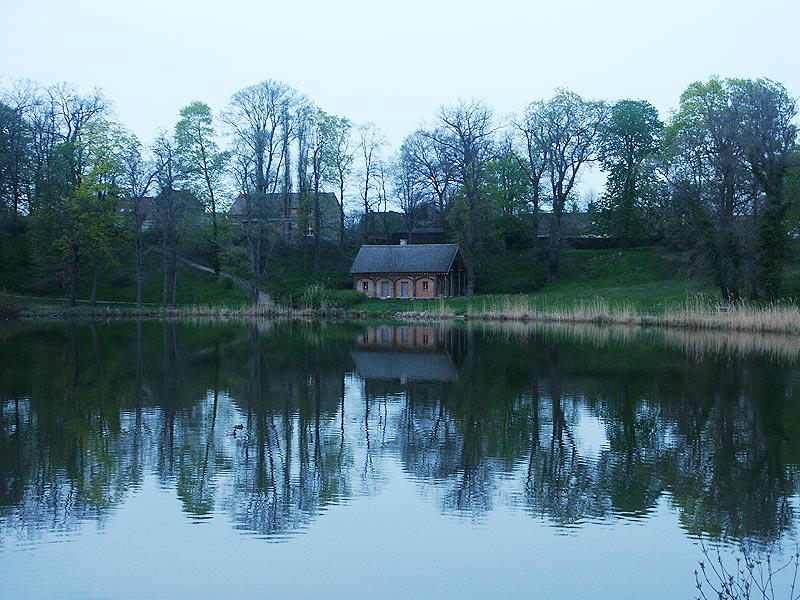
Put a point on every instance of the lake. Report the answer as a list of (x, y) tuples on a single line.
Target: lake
[(308, 460)]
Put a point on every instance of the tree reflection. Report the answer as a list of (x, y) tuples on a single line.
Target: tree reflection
[(273, 422)]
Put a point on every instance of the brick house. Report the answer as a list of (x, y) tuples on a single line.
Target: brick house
[(289, 216), (409, 271)]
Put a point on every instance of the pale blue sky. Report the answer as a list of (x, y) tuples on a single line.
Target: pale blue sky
[(392, 64)]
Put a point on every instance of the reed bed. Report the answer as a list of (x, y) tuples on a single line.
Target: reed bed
[(694, 314), (698, 343)]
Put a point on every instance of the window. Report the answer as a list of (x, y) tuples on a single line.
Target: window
[(310, 231), (365, 286), (424, 286)]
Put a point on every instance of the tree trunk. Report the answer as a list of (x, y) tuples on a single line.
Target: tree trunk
[(535, 235), (138, 269), (174, 267), (73, 272), (95, 282), (254, 244), (317, 226), (165, 268), (341, 226), (555, 247)]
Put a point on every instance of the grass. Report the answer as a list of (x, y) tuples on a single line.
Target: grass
[(641, 286)]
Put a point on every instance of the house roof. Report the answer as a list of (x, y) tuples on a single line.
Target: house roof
[(573, 224), (409, 258), (275, 201)]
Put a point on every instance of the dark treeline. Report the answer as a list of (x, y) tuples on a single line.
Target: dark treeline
[(476, 416), (720, 178)]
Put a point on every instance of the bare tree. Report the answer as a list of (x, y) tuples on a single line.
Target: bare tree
[(410, 188), (339, 159), (320, 130), (169, 212), (139, 175), (570, 130), (465, 138), (254, 217), (261, 120), (370, 144), (257, 117), (535, 153), (427, 163)]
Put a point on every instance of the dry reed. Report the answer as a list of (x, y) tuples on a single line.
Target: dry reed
[(695, 314)]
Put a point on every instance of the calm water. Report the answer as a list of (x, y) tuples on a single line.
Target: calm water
[(297, 460)]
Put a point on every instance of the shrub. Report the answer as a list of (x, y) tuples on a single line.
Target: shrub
[(8, 307)]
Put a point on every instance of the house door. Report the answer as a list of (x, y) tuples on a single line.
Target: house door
[(404, 289), (384, 289)]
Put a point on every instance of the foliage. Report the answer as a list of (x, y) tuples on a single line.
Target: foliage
[(728, 151), (9, 308), (720, 182), (630, 143), (202, 164)]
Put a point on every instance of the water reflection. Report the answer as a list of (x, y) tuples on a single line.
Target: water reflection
[(271, 423)]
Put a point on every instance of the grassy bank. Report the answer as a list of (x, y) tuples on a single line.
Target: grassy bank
[(642, 286), (697, 313)]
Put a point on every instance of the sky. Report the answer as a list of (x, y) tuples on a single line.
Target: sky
[(392, 63)]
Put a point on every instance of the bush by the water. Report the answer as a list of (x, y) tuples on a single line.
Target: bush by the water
[(8, 307)]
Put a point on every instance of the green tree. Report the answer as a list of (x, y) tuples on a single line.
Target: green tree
[(508, 189), (731, 143), (203, 164), (96, 218), (710, 117), (629, 144), (15, 162), (769, 140), (66, 138)]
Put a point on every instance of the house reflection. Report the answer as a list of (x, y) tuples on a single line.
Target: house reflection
[(404, 354)]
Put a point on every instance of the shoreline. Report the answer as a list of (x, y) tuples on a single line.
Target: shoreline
[(783, 319)]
